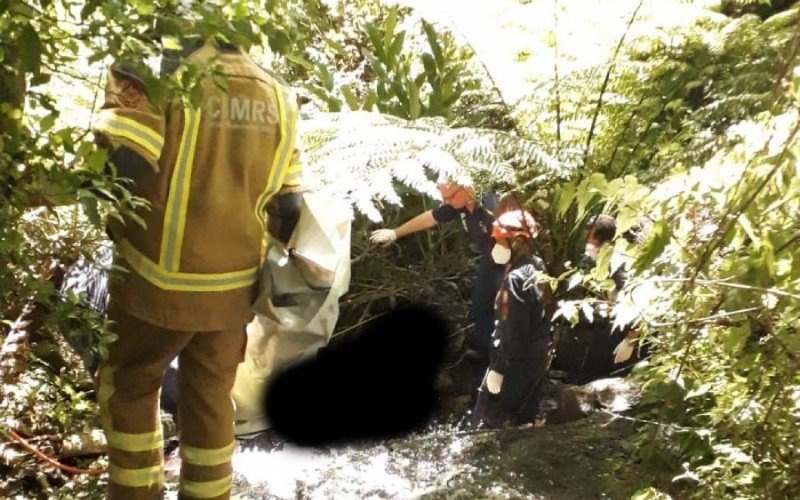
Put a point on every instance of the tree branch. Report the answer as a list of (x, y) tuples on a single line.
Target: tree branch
[(66, 468), (612, 63), (728, 284)]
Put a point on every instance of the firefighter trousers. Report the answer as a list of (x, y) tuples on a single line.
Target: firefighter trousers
[(128, 395)]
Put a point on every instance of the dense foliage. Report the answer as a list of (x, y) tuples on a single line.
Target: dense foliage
[(688, 136), (691, 138), (52, 58)]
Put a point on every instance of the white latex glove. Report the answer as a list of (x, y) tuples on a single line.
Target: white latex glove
[(383, 237), (494, 382), (623, 351)]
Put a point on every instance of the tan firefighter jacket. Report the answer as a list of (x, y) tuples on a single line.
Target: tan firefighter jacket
[(215, 166)]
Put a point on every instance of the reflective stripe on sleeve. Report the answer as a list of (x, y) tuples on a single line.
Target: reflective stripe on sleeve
[(110, 123)]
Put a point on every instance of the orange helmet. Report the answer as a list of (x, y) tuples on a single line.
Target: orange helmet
[(515, 223)]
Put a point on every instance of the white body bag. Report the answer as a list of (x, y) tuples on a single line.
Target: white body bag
[(298, 303)]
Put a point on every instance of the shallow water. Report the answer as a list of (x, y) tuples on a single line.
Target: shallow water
[(403, 468), (580, 460)]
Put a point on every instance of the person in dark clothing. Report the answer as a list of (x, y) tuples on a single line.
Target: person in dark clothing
[(513, 387), (459, 203), (590, 350), (601, 232)]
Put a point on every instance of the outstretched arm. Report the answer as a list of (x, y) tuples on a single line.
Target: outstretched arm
[(421, 222)]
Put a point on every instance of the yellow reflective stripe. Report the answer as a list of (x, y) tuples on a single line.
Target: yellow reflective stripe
[(137, 478), (206, 489), (207, 457), (178, 200), (293, 169), (125, 441), (293, 176), (185, 282), (122, 441), (110, 123), (288, 120), (104, 393)]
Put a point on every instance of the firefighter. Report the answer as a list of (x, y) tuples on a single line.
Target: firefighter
[(208, 172), (513, 387)]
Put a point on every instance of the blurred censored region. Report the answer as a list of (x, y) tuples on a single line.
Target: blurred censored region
[(378, 385)]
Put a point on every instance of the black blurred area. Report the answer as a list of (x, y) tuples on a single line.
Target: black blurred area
[(378, 385)]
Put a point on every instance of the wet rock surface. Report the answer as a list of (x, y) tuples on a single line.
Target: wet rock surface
[(583, 459)]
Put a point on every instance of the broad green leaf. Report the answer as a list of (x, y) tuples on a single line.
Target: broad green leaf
[(47, 122), (414, 102), (748, 228), (584, 196), (370, 101), (335, 46), (599, 183), (300, 61), (448, 87), (90, 209), (143, 6), (396, 49), (97, 161), (30, 53), (376, 39), (653, 247), (430, 33), (429, 65), (391, 22), (88, 8), (603, 266), (325, 76), (565, 197), (349, 97), (626, 219)]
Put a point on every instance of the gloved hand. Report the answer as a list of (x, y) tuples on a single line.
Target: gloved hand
[(623, 351), (494, 382), (383, 237)]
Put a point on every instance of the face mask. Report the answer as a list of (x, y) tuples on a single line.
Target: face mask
[(592, 251), (501, 254)]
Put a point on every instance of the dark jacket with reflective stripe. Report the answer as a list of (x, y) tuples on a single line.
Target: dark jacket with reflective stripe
[(521, 326), (215, 167)]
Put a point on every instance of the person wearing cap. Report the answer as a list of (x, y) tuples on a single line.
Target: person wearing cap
[(459, 203), (512, 388)]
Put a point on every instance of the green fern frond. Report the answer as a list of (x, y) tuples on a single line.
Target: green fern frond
[(359, 156), (781, 20), (742, 28)]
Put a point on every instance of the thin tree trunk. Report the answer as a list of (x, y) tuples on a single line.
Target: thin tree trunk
[(557, 81), (611, 65)]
